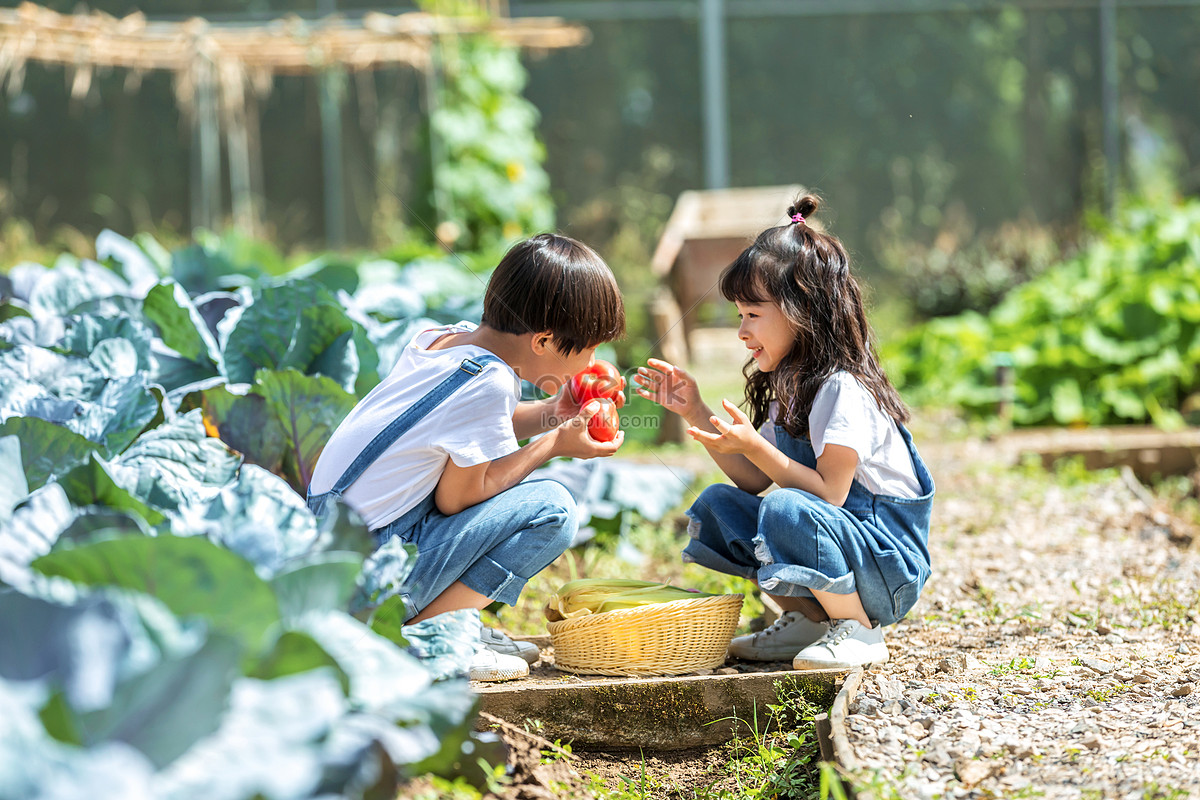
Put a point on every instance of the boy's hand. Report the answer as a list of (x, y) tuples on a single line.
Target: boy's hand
[(740, 437), (671, 387), (574, 441), (565, 406)]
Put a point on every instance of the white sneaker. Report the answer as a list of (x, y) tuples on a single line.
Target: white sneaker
[(785, 637), (495, 640), (488, 665), (847, 644)]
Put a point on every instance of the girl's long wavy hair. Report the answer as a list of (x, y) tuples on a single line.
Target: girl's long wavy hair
[(807, 273)]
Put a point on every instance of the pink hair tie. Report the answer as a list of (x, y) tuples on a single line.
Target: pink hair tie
[(797, 217)]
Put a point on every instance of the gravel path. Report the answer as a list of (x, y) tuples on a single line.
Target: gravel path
[(1055, 652)]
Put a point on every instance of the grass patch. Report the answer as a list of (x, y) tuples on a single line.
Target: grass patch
[(774, 755)]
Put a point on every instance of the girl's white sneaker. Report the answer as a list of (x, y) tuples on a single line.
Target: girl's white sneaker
[(847, 644), (785, 637)]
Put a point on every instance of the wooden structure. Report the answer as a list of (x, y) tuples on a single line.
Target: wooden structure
[(706, 231), (220, 71)]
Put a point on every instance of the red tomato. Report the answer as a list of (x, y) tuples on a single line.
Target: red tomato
[(605, 423), (600, 381)]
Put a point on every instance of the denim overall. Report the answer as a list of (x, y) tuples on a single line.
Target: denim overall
[(493, 547), (792, 541)]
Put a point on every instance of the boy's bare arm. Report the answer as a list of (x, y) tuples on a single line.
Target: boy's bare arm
[(462, 487), (534, 416)]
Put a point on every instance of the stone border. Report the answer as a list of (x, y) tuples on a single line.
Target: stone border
[(831, 731), (671, 713)]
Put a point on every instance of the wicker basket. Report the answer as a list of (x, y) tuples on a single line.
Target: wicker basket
[(657, 639)]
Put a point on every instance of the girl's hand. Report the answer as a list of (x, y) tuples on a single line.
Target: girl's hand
[(669, 386), (737, 438), (574, 441)]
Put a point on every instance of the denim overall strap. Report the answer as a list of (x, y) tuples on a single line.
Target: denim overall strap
[(469, 368)]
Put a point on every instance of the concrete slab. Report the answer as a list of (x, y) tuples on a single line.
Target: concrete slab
[(651, 713)]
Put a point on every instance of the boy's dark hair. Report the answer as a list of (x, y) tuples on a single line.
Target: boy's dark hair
[(555, 283), (807, 272)]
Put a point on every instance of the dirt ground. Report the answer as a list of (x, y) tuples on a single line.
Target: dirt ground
[(1055, 652)]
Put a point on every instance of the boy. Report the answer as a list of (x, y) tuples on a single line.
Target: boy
[(431, 455)]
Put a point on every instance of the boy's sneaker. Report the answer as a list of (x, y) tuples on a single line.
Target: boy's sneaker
[(496, 641), (847, 644), (488, 665), (785, 637)]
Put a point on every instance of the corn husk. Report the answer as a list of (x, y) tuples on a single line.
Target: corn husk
[(585, 596)]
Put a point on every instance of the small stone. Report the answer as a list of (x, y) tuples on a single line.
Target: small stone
[(1023, 750), (891, 689), (953, 663), (1183, 649), (1143, 677), (864, 705), (727, 671), (1183, 690), (971, 772), (1098, 665), (892, 708), (1102, 628), (1093, 741), (938, 756), (916, 730)]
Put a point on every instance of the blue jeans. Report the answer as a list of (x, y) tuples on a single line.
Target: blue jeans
[(793, 542), (493, 547)]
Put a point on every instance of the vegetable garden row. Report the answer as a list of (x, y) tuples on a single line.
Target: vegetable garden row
[(175, 619)]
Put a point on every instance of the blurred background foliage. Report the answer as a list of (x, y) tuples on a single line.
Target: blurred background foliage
[(1109, 336), (960, 151)]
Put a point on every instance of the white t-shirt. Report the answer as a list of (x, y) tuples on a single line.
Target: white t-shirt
[(845, 413), (471, 426)]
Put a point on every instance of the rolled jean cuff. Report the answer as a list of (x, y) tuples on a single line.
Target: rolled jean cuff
[(697, 552), (790, 580), (493, 581)]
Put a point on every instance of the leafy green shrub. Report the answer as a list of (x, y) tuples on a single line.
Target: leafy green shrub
[(488, 182), (1110, 336), (961, 271)]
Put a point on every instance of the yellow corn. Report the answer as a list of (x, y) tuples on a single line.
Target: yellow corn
[(596, 595)]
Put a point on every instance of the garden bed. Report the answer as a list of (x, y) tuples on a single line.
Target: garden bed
[(659, 714)]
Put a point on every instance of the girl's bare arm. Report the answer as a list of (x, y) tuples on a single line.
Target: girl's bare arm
[(830, 481)]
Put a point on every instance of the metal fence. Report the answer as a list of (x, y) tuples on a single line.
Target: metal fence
[(901, 112)]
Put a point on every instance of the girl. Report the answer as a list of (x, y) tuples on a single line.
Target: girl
[(849, 526)]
